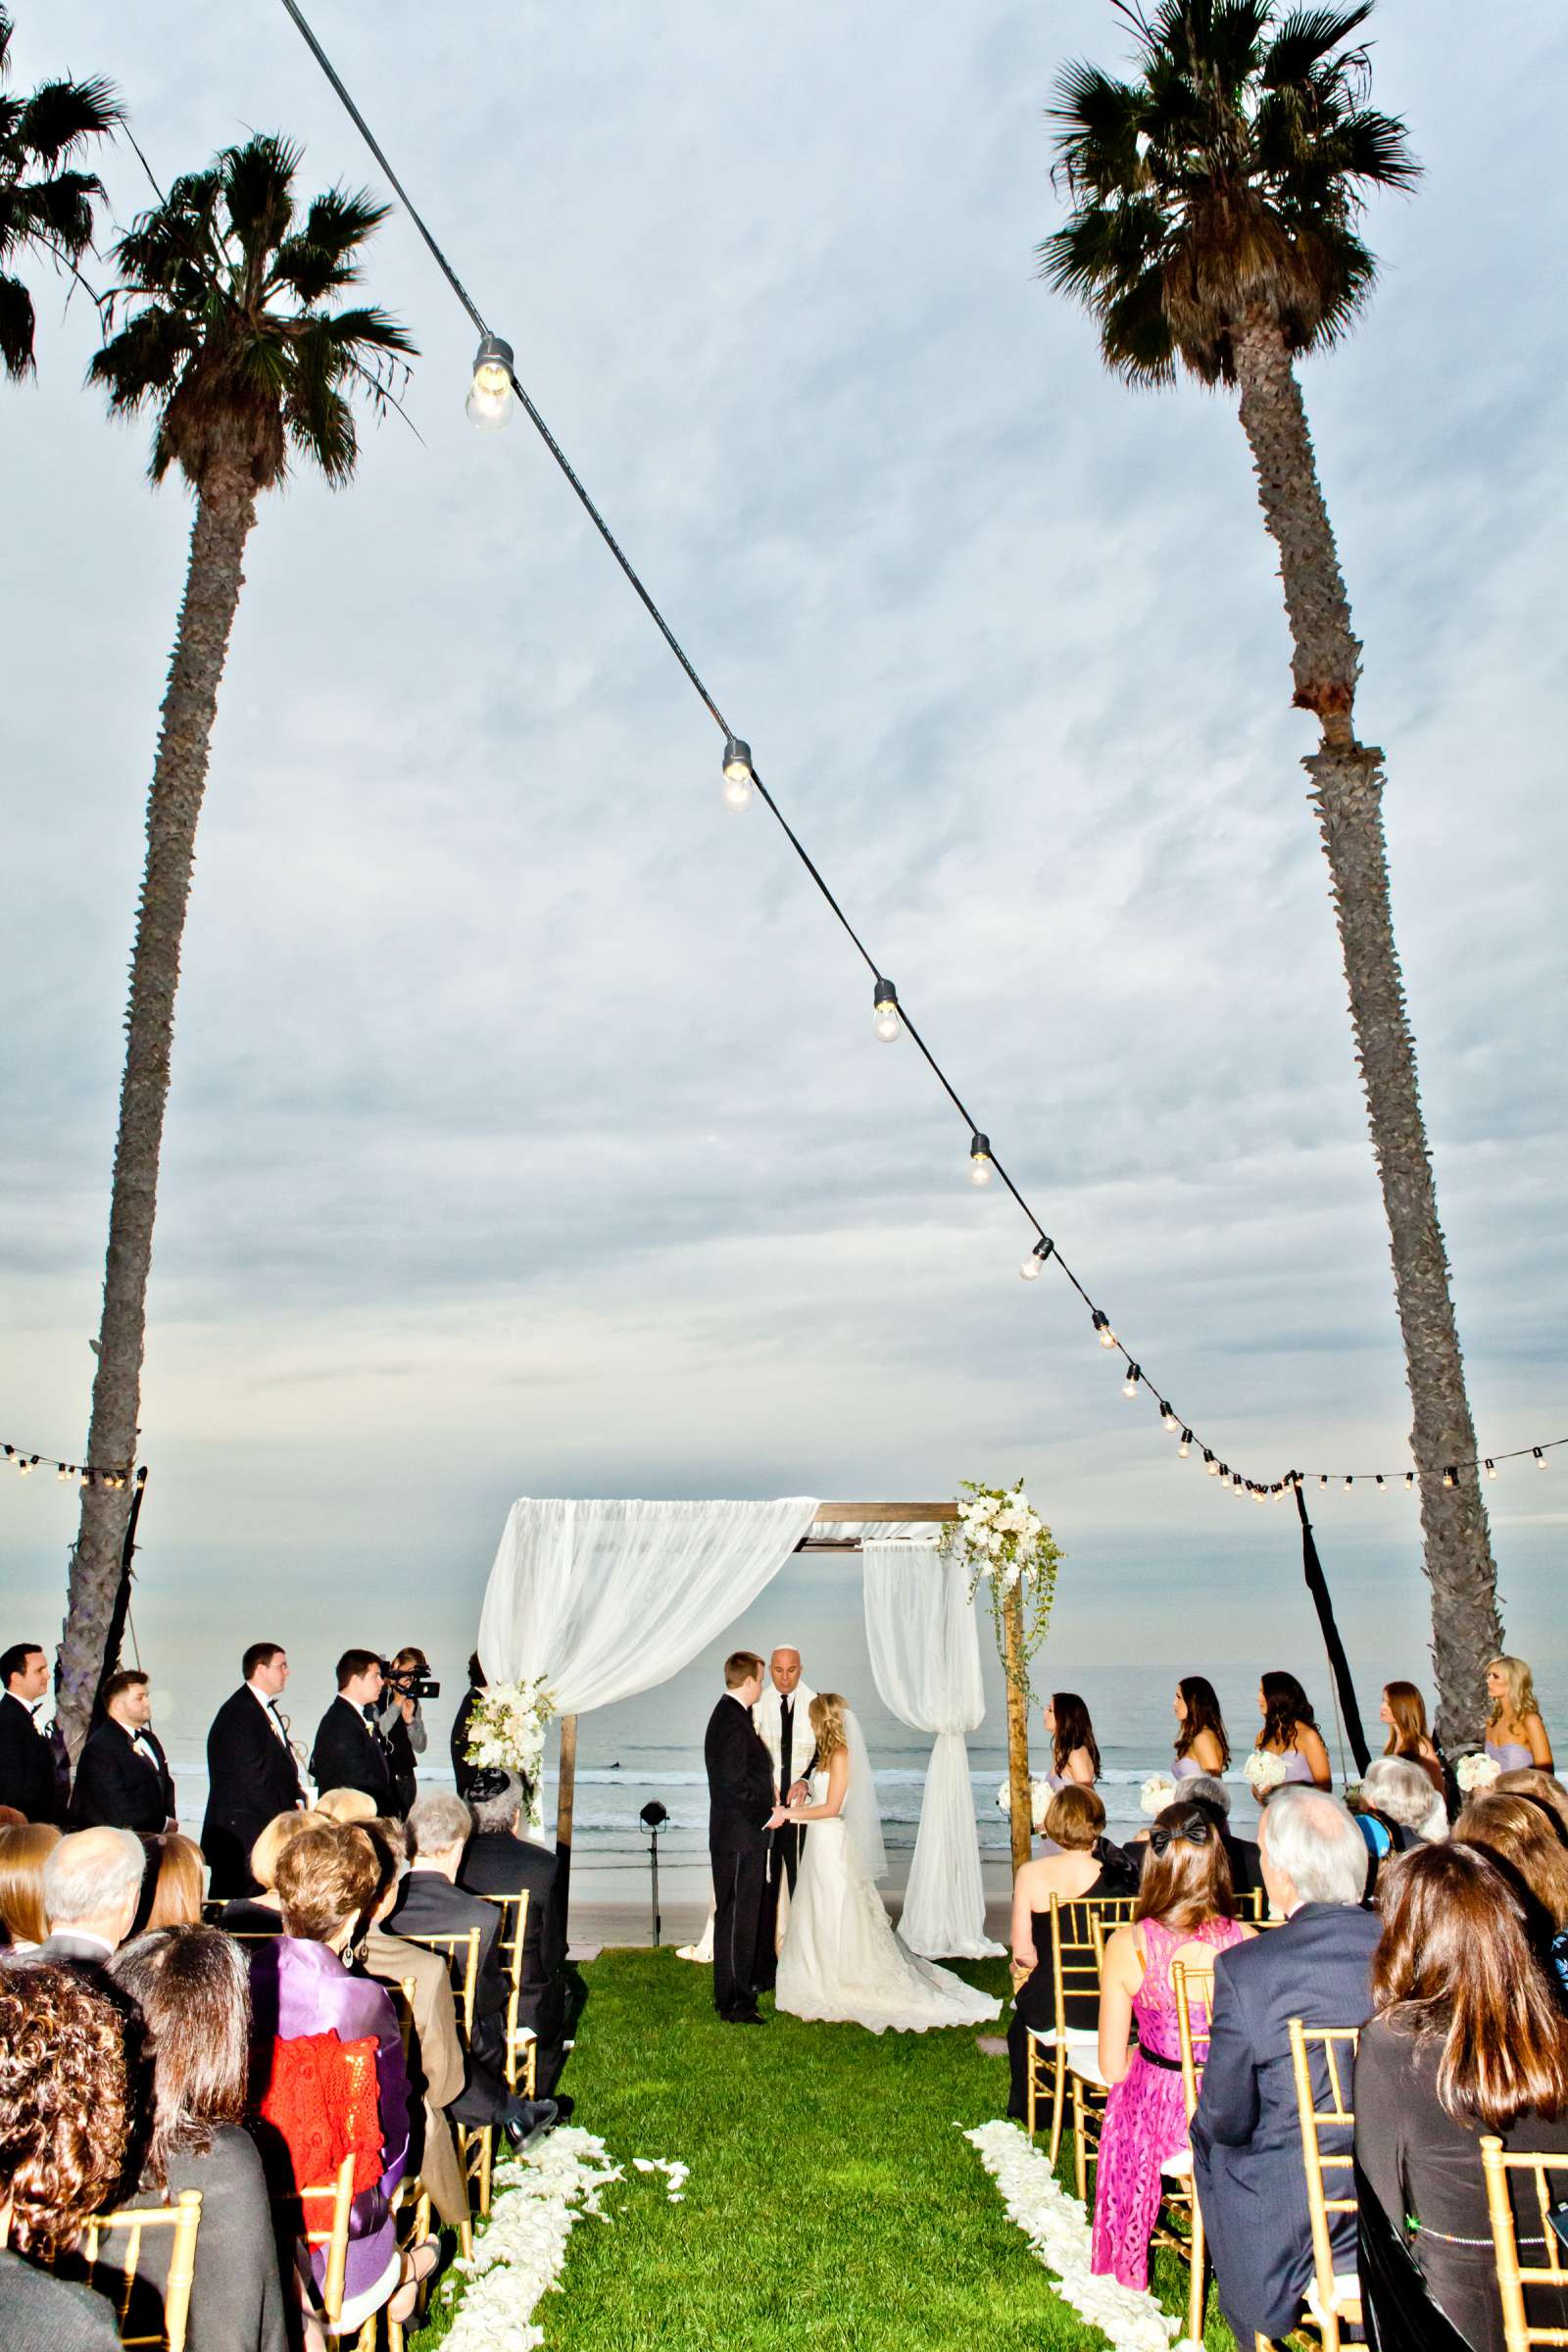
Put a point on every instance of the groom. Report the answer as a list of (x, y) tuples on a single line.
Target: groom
[(739, 1800)]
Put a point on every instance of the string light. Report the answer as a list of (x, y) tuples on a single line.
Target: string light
[(1167, 1419), (1185, 1446), (1491, 1467), (1209, 1463), (1450, 1476), (886, 1016), (1540, 1459), (981, 1169), (1410, 1481), (1030, 1268), (1101, 1323), (489, 402), (88, 1474), (1129, 1387), (739, 776)]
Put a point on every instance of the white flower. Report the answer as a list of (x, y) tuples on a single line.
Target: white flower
[(1057, 2230), (1477, 1772), (1264, 1770), (1157, 1792), (1004, 1797)]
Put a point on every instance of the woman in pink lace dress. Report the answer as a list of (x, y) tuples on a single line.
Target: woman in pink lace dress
[(1184, 1913)]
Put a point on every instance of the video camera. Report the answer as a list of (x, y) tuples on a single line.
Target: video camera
[(407, 1683)]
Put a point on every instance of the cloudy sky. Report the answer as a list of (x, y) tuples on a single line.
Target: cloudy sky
[(528, 1134)]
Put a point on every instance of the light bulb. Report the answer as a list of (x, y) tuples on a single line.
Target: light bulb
[(1540, 1459), (1185, 1446), (1382, 1488), (1030, 1268), (884, 1018), (1101, 1324), (62, 1474), (1324, 1479), (1209, 1463), (1258, 1494), (1451, 1477), (489, 402), (738, 777), (1409, 1480), (980, 1167), (1129, 1387), (1349, 1481), (1167, 1419), (1491, 1467)]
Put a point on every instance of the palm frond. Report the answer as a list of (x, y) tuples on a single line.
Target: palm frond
[(1305, 38), (258, 181), (17, 323), (62, 116), (145, 359)]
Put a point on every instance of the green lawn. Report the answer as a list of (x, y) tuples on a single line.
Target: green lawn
[(832, 2206)]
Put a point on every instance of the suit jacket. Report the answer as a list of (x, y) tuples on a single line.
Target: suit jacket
[(27, 1762), (1246, 2140), (348, 1755), (769, 1722), (497, 1863), (120, 1787), (75, 1951), (251, 1778), (428, 1904), (740, 1782), (463, 1772)]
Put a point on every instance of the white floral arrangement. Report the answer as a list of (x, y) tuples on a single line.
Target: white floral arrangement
[(1477, 1772), (1264, 1772), (507, 1734), (1157, 1792), (1041, 1793), (1007, 1545)]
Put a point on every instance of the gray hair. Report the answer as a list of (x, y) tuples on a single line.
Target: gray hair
[(500, 1811), (1314, 1839), (1404, 1793), (1202, 1789), (91, 1874), (438, 1820)]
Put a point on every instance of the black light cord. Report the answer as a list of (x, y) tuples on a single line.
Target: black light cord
[(1053, 1252)]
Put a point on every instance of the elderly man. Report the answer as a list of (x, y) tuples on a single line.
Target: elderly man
[(1246, 2140), (430, 1902), (501, 1861), (91, 1887), (122, 1777)]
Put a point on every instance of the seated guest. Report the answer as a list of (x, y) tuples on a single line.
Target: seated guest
[(24, 1852), (190, 1987), (26, 1760), (300, 1989), (1404, 1711), (1247, 1869), (1465, 2038), (499, 1860), (122, 1777), (1402, 1792), (349, 1754), (1290, 1732), (261, 1913), (1075, 1822), (1543, 1787), (462, 1771), (431, 1903), (252, 1775), (1522, 1835), (1185, 1913), (435, 2052), (174, 1881), (346, 1805), (92, 1884), (64, 2117), (1246, 2138)]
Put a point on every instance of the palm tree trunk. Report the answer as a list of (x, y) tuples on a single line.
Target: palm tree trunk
[(1348, 795), (225, 510)]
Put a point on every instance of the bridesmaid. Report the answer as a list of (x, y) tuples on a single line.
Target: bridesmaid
[(1289, 1729), (1516, 1737), (1200, 1743), (1074, 1757), (1404, 1712)]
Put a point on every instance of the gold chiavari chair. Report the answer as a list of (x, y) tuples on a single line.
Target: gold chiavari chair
[(411, 2200), (338, 2196), (475, 2141), (1087, 2089), (1074, 1970), (1514, 2277), (1194, 1987), (1334, 2299), (124, 2229), (523, 2060)]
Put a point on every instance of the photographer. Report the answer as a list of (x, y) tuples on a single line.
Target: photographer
[(400, 1719)]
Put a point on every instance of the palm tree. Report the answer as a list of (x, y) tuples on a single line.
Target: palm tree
[(231, 341), (45, 203), (1216, 207)]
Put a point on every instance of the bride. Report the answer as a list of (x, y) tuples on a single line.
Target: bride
[(841, 1958)]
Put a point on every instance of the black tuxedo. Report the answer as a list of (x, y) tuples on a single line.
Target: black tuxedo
[(27, 1762), (120, 1785), (463, 1772), (497, 1863), (349, 1754), (251, 1778), (1246, 2139), (740, 1794), (428, 1904)]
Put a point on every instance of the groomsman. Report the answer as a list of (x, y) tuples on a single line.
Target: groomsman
[(251, 1771), (122, 1776), (784, 1727), (26, 1760), (348, 1753), (740, 1788)]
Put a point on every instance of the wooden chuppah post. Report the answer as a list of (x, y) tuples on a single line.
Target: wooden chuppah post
[(1020, 1804)]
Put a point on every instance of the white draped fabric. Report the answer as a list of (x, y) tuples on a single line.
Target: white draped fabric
[(608, 1599), (925, 1656)]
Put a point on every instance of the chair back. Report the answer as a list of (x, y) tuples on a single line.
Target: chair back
[(1193, 1989), (113, 2242), (513, 1909), (1333, 2048), (461, 1951), (333, 2232), (1079, 1927), (1537, 2197)]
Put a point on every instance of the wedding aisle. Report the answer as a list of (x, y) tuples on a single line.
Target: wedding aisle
[(832, 2202)]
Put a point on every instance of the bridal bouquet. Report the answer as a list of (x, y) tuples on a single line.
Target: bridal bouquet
[(1007, 1545), (507, 1734), (1157, 1792), (1479, 1770), (1041, 1793), (1264, 1771)]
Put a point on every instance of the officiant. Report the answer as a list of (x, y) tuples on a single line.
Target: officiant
[(784, 1726)]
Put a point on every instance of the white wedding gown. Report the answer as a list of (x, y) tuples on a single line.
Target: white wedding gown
[(842, 1961)]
